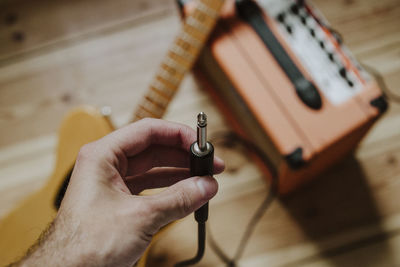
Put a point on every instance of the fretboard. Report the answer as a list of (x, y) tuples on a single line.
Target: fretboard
[(179, 59)]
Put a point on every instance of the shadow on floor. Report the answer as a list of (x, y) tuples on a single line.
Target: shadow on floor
[(338, 202)]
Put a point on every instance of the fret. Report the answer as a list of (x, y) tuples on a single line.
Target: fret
[(195, 33), (163, 89), (214, 4), (169, 69), (169, 86), (154, 105), (154, 96), (138, 116), (147, 112), (183, 62), (185, 46), (161, 96), (182, 53), (187, 38), (141, 113), (176, 65), (201, 17), (166, 76), (193, 22), (164, 93), (207, 10), (172, 72)]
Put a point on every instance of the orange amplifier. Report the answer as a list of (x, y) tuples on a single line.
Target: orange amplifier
[(283, 78)]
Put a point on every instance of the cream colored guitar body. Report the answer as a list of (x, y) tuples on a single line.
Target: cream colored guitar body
[(22, 227)]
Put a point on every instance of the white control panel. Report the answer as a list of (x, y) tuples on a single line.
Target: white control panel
[(334, 70)]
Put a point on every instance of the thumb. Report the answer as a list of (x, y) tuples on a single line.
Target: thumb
[(182, 198)]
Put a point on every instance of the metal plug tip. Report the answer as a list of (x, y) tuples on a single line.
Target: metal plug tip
[(201, 119), (202, 131)]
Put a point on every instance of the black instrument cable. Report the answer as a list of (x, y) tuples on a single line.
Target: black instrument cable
[(201, 233), (232, 137), (201, 163)]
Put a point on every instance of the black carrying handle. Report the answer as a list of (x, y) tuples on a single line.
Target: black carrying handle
[(250, 12)]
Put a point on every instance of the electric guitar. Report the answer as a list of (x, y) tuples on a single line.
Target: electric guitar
[(22, 227)]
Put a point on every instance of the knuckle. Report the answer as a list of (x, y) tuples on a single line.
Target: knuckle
[(85, 151), (89, 151), (146, 208), (147, 120), (154, 218), (184, 203), (140, 214)]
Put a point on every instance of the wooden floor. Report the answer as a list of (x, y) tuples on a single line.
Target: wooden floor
[(56, 55)]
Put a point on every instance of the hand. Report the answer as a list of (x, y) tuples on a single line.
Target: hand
[(102, 221)]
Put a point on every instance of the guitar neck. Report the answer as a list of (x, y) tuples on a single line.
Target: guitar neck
[(179, 59)]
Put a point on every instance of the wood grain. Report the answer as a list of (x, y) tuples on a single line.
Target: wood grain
[(31, 26), (77, 52)]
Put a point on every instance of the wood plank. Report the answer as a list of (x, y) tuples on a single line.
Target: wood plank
[(20, 175), (36, 93), (29, 26), (362, 22)]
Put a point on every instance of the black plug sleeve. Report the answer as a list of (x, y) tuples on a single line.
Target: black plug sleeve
[(202, 164)]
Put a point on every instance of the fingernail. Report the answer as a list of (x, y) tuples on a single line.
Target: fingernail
[(206, 185)]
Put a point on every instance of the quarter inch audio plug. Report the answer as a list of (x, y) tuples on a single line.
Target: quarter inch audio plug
[(201, 160), (201, 164)]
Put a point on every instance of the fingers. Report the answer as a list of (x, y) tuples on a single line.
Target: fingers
[(157, 156), (181, 199), (163, 156), (136, 137), (143, 145), (219, 165), (156, 178)]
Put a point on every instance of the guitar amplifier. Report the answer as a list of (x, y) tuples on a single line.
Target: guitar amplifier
[(283, 78)]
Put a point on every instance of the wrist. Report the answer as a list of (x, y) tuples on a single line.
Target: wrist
[(60, 245)]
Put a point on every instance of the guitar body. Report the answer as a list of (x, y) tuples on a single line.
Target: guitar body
[(23, 226)]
